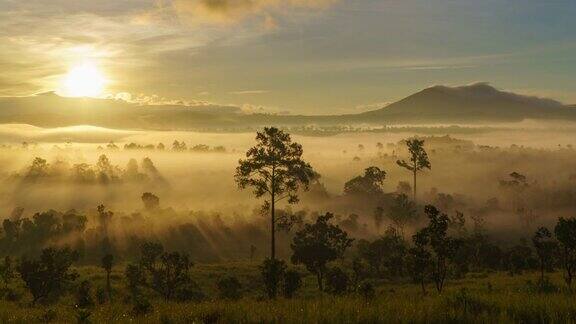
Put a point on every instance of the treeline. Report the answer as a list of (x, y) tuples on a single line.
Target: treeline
[(177, 146), (101, 172)]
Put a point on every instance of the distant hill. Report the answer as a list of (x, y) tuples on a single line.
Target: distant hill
[(477, 103)]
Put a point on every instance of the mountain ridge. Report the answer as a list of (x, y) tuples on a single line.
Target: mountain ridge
[(475, 103)]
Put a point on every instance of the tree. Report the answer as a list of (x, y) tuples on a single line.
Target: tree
[(370, 184), (378, 217), (401, 212), (444, 247), (48, 275), (272, 272), (545, 247), (135, 278), (418, 159), (292, 282), (337, 281), (84, 295), (319, 243), (419, 259), (151, 201), (367, 291), (386, 255), (107, 263), (565, 231), (38, 170), (167, 272), (274, 167), (252, 251), (7, 272)]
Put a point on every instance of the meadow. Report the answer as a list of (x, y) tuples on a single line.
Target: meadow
[(478, 298)]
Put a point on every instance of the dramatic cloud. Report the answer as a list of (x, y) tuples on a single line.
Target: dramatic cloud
[(230, 11)]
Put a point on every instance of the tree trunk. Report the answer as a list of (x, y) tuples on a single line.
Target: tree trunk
[(319, 278), (423, 285), (108, 286), (273, 216), (273, 229), (414, 184)]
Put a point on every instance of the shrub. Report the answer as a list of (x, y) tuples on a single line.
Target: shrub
[(48, 316), (229, 288), (542, 286), (468, 304), (83, 296), (101, 295), (47, 276), (272, 271), (337, 281), (366, 290), (12, 295), (141, 306), (189, 291), (83, 316), (292, 282)]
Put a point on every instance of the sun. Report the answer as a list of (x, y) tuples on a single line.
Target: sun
[(84, 80)]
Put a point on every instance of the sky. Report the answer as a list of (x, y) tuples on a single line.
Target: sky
[(289, 56)]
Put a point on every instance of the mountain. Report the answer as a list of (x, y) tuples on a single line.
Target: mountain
[(477, 103), (470, 104)]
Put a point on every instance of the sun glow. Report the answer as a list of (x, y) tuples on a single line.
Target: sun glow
[(84, 80)]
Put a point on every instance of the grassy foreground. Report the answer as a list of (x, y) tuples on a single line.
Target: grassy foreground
[(478, 298)]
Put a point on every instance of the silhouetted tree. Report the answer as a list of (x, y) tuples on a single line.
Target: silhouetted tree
[(401, 212), (418, 159), (252, 251), (168, 272), (107, 263), (419, 259), (520, 258), (319, 243), (48, 275), (368, 185), (272, 272), (179, 146), (292, 282), (135, 278), (274, 167), (367, 291), (151, 201), (104, 219), (7, 271), (545, 248), (444, 247), (385, 255), (84, 295), (379, 217), (565, 231), (337, 281)]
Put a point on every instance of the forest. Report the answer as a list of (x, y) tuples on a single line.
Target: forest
[(424, 229)]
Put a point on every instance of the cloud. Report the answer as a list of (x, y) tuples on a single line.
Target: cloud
[(233, 11)]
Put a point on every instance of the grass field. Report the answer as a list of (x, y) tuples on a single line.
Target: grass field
[(479, 298)]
